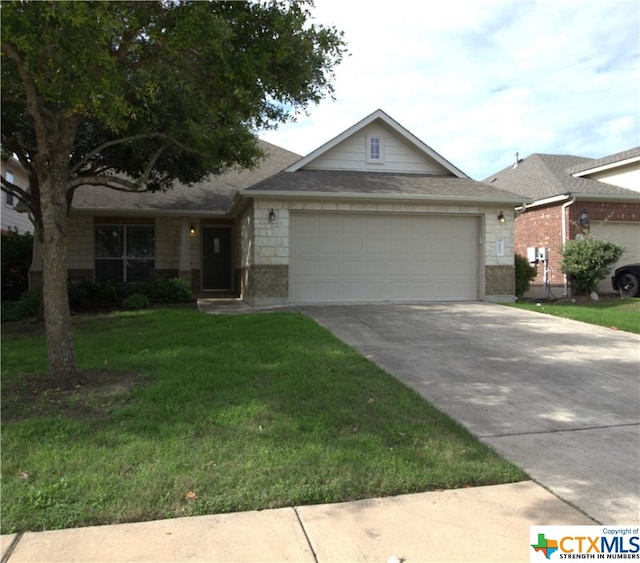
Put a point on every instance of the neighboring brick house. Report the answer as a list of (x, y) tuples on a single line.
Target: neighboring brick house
[(571, 196), (373, 215)]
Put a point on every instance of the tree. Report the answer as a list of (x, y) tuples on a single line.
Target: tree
[(587, 261), (139, 95)]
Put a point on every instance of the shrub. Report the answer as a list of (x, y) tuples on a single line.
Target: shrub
[(525, 272), (173, 290), (17, 251), (82, 295), (135, 301), (588, 260), (25, 307), (106, 294)]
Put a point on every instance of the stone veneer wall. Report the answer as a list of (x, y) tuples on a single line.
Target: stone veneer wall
[(267, 284), (265, 261), (500, 283)]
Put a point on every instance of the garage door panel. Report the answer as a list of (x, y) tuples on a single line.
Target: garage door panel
[(361, 257), (626, 234)]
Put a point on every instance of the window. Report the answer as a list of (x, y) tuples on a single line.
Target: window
[(375, 153), (9, 197), (124, 253)]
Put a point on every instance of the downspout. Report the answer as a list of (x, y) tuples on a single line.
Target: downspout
[(564, 236)]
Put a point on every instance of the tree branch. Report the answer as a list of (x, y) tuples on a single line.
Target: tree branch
[(108, 181), (35, 109), (131, 138), (20, 193)]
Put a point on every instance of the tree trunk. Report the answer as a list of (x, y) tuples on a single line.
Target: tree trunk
[(63, 373)]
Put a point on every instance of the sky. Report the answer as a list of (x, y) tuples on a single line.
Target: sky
[(481, 80)]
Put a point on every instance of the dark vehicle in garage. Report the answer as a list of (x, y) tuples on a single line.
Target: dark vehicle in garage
[(626, 280)]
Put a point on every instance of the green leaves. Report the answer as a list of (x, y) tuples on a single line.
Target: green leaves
[(204, 74), (588, 260)]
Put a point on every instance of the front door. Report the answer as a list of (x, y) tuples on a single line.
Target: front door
[(216, 258)]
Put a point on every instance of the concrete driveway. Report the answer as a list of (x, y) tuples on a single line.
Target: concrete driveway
[(559, 398)]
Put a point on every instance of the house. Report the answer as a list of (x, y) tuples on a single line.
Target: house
[(573, 196), (373, 215), (11, 218)]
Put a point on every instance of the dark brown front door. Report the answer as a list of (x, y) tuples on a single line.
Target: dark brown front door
[(216, 259)]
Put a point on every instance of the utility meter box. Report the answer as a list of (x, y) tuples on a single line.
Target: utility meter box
[(536, 254), (541, 254)]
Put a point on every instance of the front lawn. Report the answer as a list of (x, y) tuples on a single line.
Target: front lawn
[(183, 414), (612, 312)]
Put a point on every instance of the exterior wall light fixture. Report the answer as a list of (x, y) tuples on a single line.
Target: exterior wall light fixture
[(192, 229), (584, 218), (272, 216), (501, 218)]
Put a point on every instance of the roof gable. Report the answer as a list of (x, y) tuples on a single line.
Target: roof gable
[(401, 151), (612, 161), (540, 176)]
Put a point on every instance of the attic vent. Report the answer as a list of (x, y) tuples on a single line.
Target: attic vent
[(375, 149)]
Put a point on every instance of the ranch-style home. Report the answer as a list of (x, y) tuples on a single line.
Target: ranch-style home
[(571, 196), (373, 215)]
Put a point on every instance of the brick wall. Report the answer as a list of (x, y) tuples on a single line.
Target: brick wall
[(542, 227)]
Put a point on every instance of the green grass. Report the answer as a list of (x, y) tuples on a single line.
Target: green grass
[(188, 414), (616, 313)]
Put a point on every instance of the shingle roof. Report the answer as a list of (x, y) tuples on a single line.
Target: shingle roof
[(611, 159), (540, 176), (377, 183), (213, 195)]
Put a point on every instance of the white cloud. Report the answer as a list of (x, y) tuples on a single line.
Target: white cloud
[(478, 80)]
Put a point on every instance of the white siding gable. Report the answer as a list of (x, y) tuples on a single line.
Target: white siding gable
[(396, 150), (397, 155)]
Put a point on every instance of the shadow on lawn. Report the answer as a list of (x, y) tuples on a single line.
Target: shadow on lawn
[(100, 392)]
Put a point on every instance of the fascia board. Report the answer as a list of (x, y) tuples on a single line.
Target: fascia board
[(604, 167), (342, 196), (101, 212), (546, 201), (633, 197), (581, 197)]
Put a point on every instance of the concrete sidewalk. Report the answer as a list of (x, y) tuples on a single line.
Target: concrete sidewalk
[(475, 524)]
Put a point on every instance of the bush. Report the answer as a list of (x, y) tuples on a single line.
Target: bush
[(135, 301), (588, 260), (525, 272), (82, 295), (17, 251), (173, 290), (106, 294), (27, 306), (86, 295)]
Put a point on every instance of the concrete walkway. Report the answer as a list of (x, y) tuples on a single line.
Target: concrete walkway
[(559, 398), (476, 524)]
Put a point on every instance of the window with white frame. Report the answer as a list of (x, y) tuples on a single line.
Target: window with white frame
[(124, 253), (375, 149), (9, 197)]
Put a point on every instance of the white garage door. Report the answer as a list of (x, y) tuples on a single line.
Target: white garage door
[(626, 234), (365, 257)]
